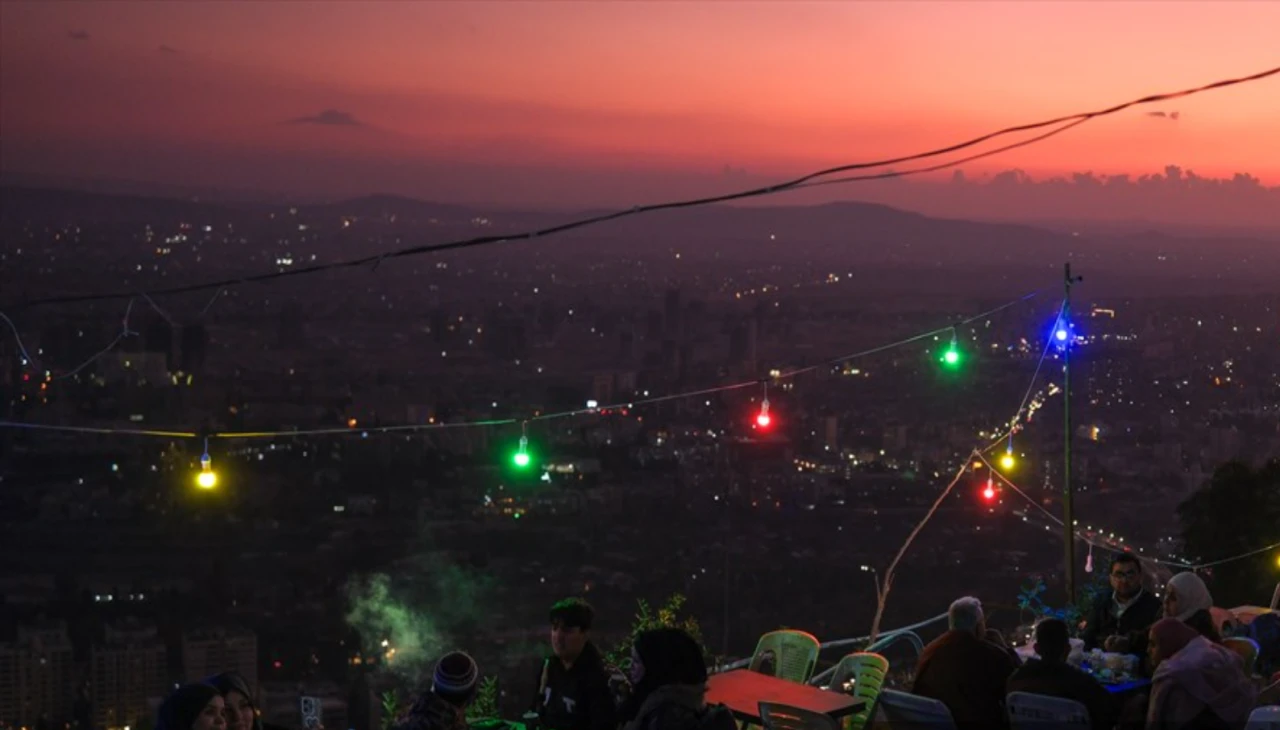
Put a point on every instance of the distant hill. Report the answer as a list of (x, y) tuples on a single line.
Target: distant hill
[(837, 234)]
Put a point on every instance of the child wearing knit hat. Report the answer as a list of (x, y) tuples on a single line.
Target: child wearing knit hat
[(453, 686), (455, 678)]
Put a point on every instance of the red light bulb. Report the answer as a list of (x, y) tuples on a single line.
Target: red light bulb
[(763, 420), (990, 492)]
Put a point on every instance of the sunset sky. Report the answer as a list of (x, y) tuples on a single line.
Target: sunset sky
[(561, 99)]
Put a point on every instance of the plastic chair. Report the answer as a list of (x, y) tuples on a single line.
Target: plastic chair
[(1028, 711), (903, 711), (795, 653), (1264, 718), (862, 675), (784, 717), (1247, 649)]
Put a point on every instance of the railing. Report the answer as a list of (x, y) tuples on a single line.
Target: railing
[(886, 638)]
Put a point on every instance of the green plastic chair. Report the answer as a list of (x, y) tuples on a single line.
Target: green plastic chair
[(795, 653), (860, 674)]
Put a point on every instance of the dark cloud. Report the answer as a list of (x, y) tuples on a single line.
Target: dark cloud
[(1165, 115), (168, 49), (78, 35), (329, 117)]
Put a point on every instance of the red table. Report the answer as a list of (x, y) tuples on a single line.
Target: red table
[(742, 691)]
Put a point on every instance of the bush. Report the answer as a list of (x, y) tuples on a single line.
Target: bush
[(668, 615)]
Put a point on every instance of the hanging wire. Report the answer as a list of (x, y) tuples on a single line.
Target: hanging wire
[(1065, 122), (409, 428)]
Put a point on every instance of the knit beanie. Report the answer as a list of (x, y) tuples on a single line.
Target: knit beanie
[(455, 678)]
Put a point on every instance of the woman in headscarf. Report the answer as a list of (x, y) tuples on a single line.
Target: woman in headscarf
[(241, 713), (1197, 684), (192, 707), (669, 685), (1187, 599)]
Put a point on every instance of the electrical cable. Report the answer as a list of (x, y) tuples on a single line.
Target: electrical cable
[(539, 417), (1067, 122), (1104, 546)]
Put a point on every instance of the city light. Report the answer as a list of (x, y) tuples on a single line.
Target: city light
[(1061, 334)]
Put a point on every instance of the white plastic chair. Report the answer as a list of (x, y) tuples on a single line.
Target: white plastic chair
[(904, 711), (1028, 711), (1264, 718)]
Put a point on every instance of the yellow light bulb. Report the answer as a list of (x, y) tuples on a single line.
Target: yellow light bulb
[(1007, 461), (206, 479)]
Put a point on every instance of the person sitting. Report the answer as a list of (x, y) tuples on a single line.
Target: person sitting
[(443, 706), (573, 683), (1187, 599), (192, 707), (669, 685), (1197, 683), (965, 672), (1051, 675), (1120, 620)]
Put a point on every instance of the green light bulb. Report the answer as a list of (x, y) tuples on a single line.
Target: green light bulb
[(521, 459)]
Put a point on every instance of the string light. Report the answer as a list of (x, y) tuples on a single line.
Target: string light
[(207, 478), (521, 458), (951, 357), (1007, 461), (1083, 537), (348, 427), (990, 492), (763, 419)]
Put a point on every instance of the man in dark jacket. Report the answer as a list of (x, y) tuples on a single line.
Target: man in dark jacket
[(964, 671), (1051, 675), (1121, 620), (573, 683)]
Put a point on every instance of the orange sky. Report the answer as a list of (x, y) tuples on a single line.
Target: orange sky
[(773, 87)]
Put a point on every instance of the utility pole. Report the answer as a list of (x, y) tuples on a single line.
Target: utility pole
[(1068, 516)]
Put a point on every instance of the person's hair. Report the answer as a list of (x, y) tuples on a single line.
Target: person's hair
[(1127, 558), (572, 613), (670, 657), (1202, 621), (1053, 639), (964, 614), (180, 709)]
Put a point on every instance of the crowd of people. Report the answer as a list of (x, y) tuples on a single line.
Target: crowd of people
[(664, 688), (1196, 682)]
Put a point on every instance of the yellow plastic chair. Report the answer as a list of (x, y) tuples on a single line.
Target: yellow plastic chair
[(784, 717), (795, 653), (860, 674), (1247, 649)]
